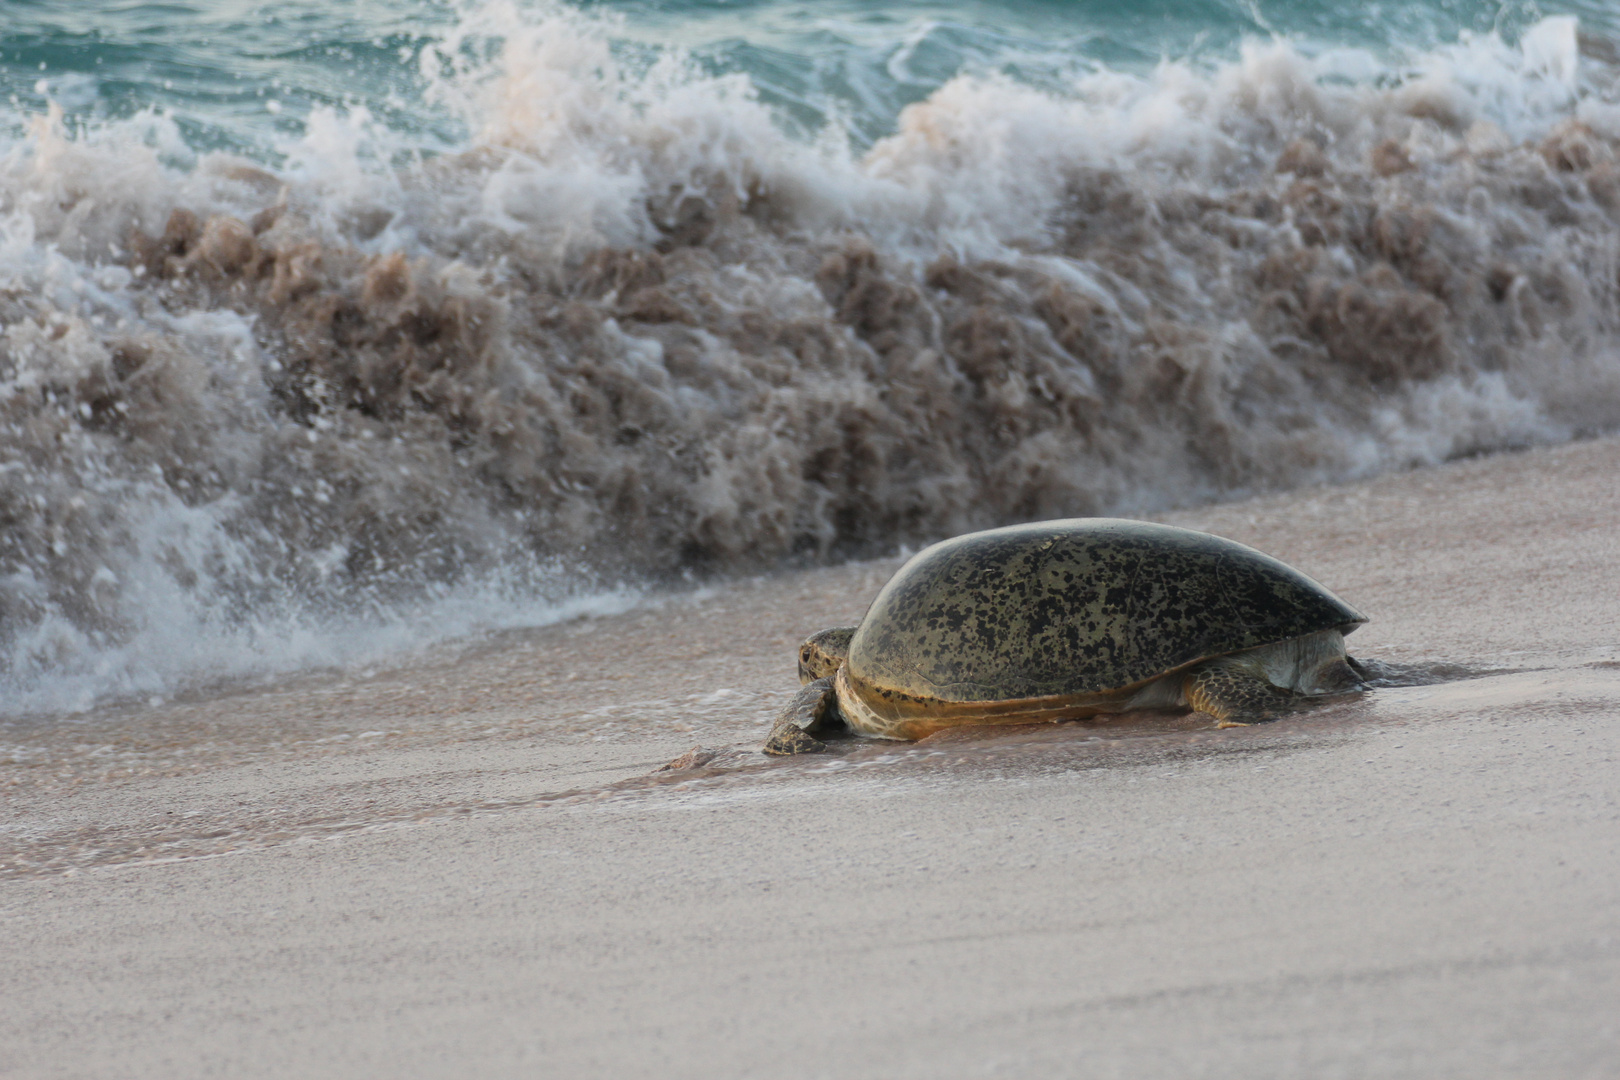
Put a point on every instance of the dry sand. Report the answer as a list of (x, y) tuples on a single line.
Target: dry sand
[(462, 869)]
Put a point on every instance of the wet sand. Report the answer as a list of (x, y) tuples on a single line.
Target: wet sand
[(466, 866)]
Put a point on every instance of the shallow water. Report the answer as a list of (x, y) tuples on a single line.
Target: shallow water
[(735, 774), (1484, 624)]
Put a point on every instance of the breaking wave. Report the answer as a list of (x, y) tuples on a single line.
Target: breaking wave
[(259, 415)]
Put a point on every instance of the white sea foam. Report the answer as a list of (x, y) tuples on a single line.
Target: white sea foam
[(253, 419)]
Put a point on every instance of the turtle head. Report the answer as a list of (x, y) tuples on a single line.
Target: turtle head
[(824, 653)]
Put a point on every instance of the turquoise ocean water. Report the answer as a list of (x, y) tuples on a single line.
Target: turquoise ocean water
[(328, 330), (244, 76)]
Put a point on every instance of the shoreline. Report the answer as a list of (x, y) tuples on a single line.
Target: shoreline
[(469, 863)]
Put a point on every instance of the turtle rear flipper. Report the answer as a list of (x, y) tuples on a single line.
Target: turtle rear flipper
[(813, 711), (1234, 696), (1340, 675)]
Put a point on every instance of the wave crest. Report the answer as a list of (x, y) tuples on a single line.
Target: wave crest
[(633, 329)]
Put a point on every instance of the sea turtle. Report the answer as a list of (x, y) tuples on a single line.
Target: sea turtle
[(1064, 619)]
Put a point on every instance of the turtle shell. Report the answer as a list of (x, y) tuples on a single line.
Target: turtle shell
[(1083, 606)]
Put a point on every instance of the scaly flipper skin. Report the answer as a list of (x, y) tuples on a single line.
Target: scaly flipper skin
[(813, 711), (1233, 696)]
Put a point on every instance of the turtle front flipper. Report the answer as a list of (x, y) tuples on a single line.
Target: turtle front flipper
[(813, 711), (1233, 696)]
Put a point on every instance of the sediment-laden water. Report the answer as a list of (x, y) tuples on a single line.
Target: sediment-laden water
[(329, 333)]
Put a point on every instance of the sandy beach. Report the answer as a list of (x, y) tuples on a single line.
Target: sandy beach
[(361, 365), (466, 865)]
